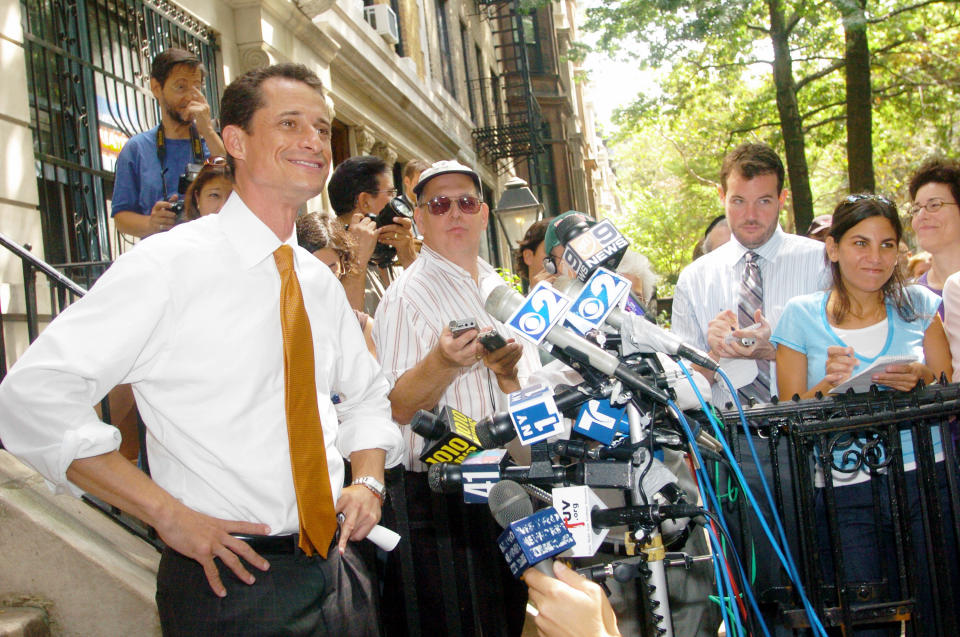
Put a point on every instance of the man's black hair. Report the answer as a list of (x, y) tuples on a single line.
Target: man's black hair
[(353, 176)]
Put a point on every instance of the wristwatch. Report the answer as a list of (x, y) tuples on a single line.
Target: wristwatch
[(374, 485)]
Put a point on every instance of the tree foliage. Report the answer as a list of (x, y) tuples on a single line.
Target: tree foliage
[(714, 61)]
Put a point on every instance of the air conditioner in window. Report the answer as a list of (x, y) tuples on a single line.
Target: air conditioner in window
[(384, 21)]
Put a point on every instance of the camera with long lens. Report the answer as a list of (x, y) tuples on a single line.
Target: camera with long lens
[(189, 175), (383, 254)]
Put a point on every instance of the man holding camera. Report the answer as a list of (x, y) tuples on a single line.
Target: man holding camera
[(365, 201), (431, 367), (150, 166)]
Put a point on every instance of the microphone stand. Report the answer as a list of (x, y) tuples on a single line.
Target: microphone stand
[(652, 574)]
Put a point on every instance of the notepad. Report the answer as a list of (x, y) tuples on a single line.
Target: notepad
[(861, 381)]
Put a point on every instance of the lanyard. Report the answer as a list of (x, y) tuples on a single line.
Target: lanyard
[(195, 145)]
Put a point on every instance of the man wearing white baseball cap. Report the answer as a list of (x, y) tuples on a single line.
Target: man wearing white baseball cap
[(429, 368)]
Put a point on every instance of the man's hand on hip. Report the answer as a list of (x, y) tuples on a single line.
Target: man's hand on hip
[(204, 538)]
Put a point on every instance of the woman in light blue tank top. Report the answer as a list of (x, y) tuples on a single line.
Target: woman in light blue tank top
[(825, 337)]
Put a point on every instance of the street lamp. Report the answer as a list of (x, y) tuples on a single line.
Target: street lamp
[(516, 210)]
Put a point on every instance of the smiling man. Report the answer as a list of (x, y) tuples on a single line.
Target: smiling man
[(429, 368), (150, 164), (233, 338)]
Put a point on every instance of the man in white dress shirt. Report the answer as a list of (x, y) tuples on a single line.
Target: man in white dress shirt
[(429, 367), (705, 306), (192, 319)]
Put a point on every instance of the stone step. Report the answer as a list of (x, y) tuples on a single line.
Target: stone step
[(23, 621)]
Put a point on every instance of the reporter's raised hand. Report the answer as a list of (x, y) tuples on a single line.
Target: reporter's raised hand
[(569, 606), (365, 234), (399, 234)]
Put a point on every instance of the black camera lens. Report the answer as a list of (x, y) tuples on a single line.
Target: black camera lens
[(383, 254)]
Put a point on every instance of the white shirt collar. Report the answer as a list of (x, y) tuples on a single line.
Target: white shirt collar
[(248, 235), (735, 251)]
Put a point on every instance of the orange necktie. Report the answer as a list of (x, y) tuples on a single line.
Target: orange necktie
[(308, 455)]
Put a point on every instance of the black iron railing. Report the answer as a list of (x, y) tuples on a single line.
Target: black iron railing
[(63, 292), (831, 438)]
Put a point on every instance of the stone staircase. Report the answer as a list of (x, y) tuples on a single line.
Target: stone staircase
[(65, 568)]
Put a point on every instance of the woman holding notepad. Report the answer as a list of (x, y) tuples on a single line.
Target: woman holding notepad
[(823, 339)]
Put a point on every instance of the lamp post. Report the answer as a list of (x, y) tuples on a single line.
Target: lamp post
[(516, 210)]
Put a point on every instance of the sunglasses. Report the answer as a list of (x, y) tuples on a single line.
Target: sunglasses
[(868, 197), (440, 205), (215, 160)]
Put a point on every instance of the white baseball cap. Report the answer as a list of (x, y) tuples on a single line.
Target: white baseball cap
[(442, 168)]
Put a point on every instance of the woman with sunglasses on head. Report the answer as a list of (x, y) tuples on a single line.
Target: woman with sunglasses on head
[(319, 235), (825, 337), (209, 190), (935, 218)]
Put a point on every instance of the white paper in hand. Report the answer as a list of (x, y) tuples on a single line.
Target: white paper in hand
[(861, 381), (741, 371)]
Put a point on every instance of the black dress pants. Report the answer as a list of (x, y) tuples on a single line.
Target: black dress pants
[(288, 599)]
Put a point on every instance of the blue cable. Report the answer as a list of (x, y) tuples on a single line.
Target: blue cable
[(787, 562), (706, 487)]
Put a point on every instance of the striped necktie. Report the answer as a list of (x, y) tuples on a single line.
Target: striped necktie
[(751, 300), (308, 454)]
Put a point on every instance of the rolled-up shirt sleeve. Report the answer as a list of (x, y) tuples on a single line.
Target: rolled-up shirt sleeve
[(47, 416)]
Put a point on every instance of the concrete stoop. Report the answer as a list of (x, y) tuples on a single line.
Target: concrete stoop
[(83, 574), (24, 621)]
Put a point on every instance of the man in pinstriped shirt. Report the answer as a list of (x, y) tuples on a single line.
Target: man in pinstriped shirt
[(705, 312), (428, 367)]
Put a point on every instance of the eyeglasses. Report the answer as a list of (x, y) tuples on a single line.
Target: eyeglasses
[(391, 191), (933, 205), (215, 160), (440, 205)]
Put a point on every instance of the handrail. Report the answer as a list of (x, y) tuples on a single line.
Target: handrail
[(40, 264)]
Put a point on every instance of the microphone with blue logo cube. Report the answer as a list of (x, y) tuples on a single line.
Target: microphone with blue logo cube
[(599, 296), (534, 414), (601, 421), (540, 311), (479, 473), (529, 539), (590, 247)]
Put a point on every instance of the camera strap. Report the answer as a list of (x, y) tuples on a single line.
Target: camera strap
[(195, 145)]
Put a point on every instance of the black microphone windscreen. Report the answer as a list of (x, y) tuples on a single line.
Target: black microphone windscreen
[(435, 477), (509, 502)]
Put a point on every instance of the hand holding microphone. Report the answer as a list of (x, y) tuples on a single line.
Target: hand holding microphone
[(569, 605)]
